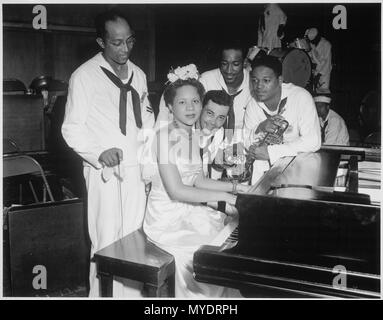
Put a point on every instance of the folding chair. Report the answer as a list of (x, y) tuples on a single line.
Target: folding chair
[(16, 165)]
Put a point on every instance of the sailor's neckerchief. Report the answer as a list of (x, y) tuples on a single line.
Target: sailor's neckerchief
[(203, 148), (281, 108)]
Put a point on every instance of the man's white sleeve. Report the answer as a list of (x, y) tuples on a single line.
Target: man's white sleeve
[(251, 121), (324, 59), (74, 126), (309, 139), (337, 133)]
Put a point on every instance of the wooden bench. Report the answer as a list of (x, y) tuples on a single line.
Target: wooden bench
[(136, 258)]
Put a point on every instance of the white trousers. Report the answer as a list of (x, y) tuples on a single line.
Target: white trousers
[(115, 209)]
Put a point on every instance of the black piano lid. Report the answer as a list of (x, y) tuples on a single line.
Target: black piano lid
[(289, 243), (307, 225), (307, 231)]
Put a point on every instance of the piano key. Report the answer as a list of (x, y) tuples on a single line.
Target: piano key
[(220, 239), (231, 241)]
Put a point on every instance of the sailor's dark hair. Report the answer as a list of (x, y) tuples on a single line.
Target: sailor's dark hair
[(231, 44), (270, 62), (104, 17), (217, 96)]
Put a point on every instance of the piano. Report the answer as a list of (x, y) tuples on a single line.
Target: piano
[(302, 232)]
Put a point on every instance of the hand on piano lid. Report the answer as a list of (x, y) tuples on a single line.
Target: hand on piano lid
[(258, 152)]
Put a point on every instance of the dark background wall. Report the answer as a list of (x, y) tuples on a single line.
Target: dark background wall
[(68, 41), (200, 28), (176, 34)]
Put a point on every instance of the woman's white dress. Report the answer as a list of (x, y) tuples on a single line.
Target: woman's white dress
[(181, 228)]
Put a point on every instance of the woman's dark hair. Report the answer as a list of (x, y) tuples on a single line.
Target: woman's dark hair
[(217, 96), (104, 17), (171, 88), (270, 62)]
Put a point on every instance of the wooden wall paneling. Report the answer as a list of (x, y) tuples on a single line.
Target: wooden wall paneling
[(23, 121), (58, 51), (70, 51), (68, 42), (151, 46), (63, 14), (24, 55)]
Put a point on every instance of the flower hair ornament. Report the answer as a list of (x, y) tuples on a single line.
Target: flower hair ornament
[(182, 73)]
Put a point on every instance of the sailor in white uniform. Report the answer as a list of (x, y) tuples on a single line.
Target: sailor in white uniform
[(333, 128), (321, 56), (105, 117), (271, 25), (274, 99)]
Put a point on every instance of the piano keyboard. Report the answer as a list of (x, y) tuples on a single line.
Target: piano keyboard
[(231, 241), (228, 237)]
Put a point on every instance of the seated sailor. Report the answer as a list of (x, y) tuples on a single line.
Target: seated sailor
[(275, 105), (214, 138), (333, 128)]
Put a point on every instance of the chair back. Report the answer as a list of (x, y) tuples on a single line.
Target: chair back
[(16, 165)]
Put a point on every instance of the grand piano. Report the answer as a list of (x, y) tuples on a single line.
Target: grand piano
[(307, 228)]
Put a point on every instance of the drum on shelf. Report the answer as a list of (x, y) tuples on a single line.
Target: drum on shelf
[(296, 65)]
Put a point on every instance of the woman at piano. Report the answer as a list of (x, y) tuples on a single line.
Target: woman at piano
[(177, 219)]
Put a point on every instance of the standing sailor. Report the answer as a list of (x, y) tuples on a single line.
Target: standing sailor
[(105, 115), (320, 54), (271, 25)]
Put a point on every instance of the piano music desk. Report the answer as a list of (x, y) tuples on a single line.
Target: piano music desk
[(136, 258)]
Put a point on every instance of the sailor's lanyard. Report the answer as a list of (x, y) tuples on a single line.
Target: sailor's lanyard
[(148, 187), (120, 198)]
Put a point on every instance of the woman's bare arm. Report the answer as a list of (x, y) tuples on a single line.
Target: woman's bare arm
[(174, 186)]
